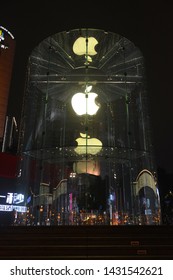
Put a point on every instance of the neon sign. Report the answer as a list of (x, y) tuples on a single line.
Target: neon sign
[(15, 198), (9, 208), (12, 198), (7, 31), (4, 31), (10, 201)]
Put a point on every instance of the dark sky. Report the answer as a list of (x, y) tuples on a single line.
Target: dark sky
[(149, 24)]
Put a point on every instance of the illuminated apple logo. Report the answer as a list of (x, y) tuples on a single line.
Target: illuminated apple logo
[(84, 103), (88, 145), (80, 47)]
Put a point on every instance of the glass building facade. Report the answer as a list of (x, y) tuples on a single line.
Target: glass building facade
[(85, 135)]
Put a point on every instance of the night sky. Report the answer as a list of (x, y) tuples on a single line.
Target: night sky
[(148, 26)]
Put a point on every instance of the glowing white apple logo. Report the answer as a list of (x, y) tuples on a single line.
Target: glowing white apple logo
[(88, 145), (84, 103), (80, 48)]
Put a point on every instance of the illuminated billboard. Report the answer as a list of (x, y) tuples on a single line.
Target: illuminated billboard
[(12, 201)]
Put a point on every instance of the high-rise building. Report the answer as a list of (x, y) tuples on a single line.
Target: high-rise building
[(11, 199), (85, 136), (7, 51)]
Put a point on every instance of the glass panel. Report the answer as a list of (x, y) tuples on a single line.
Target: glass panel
[(85, 137)]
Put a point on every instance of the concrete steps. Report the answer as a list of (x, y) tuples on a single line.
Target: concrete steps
[(87, 242)]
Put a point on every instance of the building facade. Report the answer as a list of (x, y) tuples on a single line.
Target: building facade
[(7, 51), (85, 136)]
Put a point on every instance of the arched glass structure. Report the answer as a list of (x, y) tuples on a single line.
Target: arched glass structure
[(85, 133)]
